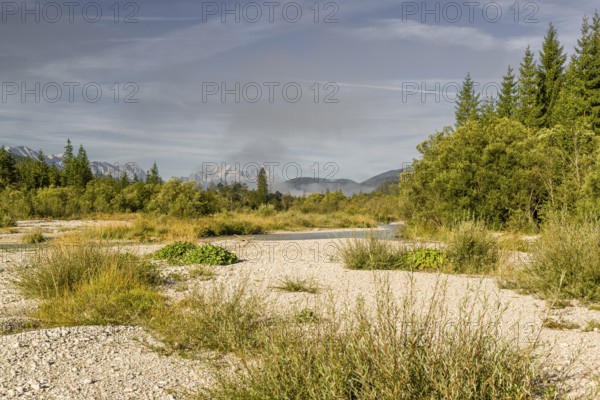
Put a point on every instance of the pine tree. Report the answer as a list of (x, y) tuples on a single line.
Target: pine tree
[(69, 171), (592, 86), (84, 172), (8, 170), (507, 100), (488, 111), (527, 89), (467, 103), (550, 75), (152, 176), (262, 189)]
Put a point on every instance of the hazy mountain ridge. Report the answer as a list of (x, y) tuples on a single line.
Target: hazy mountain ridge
[(228, 175), (99, 168)]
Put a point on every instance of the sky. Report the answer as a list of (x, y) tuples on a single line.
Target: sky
[(332, 89)]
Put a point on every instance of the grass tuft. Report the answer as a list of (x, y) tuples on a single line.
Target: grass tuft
[(566, 262), (298, 285)]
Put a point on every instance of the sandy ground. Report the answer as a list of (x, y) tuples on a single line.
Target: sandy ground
[(119, 362)]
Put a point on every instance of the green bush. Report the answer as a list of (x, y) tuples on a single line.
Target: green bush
[(6, 221), (186, 253), (471, 248)]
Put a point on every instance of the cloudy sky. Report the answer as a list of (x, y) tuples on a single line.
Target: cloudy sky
[(183, 82)]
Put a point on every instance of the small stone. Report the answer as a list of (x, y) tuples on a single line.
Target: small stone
[(88, 381)]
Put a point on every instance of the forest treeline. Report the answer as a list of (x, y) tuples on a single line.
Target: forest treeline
[(32, 189), (514, 160)]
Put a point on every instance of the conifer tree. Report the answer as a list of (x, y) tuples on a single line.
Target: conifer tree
[(527, 89), (507, 100), (69, 171), (592, 87), (262, 189), (153, 177), (467, 103), (84, 172), (550, 75)]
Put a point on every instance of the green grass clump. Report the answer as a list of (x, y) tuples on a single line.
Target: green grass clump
[(404, 351), (559, 324), (87, 284), (374, 253), (592, 325), (298, 285), (186, 253), (566, 262), (221, 319), (34, 237), (472, 249)]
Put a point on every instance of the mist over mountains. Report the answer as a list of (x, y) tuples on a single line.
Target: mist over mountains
[(227, 175)]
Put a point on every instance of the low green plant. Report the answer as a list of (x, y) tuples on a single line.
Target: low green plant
[(306, 315), (174, 251), (186, 253), (424, 259), (209, 254)]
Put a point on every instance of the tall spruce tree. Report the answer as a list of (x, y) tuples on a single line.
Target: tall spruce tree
[(467, 102), (528, 112), (592, 86), (84, 172), (577, 74), (69, 171), (153, 177), (262, 188), (550, 73), (507, 100)]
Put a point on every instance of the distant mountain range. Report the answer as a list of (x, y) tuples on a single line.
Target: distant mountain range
[(227, 175), (99, 168)]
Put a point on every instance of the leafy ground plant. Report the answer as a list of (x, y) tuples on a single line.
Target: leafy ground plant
[(186, 253)]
